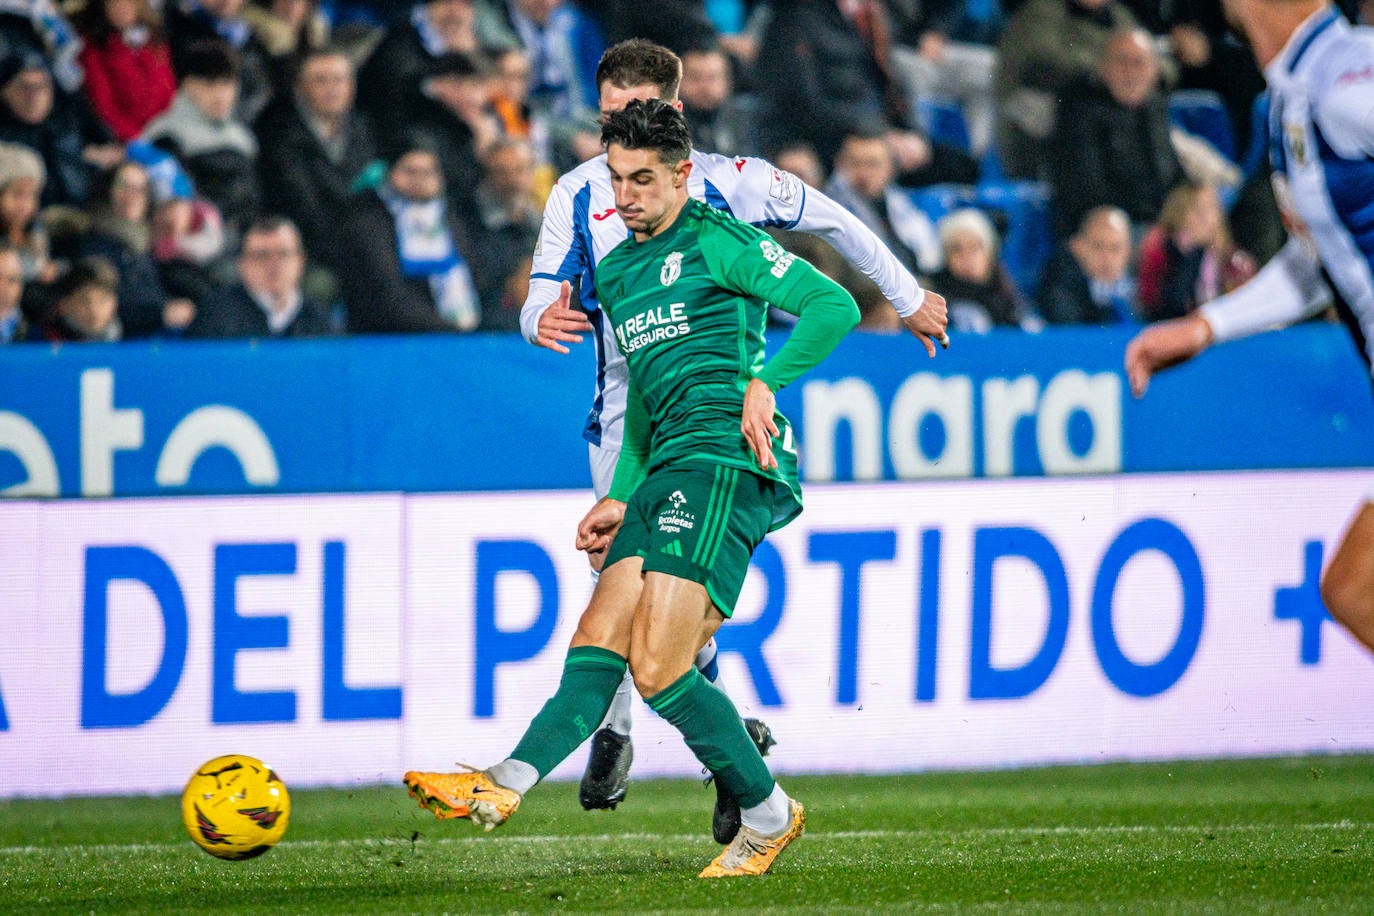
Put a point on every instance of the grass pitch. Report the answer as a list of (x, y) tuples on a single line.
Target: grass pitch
[(1231, 836)]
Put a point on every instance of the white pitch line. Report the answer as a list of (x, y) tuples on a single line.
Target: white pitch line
[(823, 836)]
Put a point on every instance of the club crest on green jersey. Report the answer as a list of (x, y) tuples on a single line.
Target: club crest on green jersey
[(672, 269)]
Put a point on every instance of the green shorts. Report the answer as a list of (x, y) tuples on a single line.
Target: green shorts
[(698, 522)]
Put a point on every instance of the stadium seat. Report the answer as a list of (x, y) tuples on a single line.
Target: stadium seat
[(943, 122), (1020, 210), (938, 199), (1028, 240), (1201, 112)]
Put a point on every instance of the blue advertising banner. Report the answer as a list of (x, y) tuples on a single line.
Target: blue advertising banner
[(494, 413)]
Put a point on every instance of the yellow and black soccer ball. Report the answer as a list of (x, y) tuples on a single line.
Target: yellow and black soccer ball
[(235, 807)]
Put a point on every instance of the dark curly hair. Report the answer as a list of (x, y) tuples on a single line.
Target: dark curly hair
[(650, 124)]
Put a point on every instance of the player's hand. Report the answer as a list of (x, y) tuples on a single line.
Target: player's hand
[(1162, 345), (930, 322), (757, 425), (561, 323), (598, 528)]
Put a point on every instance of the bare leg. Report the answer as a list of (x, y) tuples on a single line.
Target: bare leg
[(672, 622), (1348, 583)]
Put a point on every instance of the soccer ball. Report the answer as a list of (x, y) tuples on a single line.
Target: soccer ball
[(235, 807)]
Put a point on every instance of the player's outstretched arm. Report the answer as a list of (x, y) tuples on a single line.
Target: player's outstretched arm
[(1162, 345), (1286, 290), (923, 313), (560, 323)]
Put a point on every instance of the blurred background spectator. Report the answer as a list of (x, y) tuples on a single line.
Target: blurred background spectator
[(974, 282), (1188, 258), (201, 131), (721, 120), (389, 82), (1088, 281), (945, 52), (504, 230), (188, 241), (563, 46), (266, 299), (406, 254), (86, 304), (21, 183), (676, 24), (314, 147), (121, 233), (802, 160), (125, 48), (191, 23), (14, 326), (823, 73), (862, 183), (287, 29), (1111, 142), (455, 113), (75, 145), (819, 77), (1047, 45), (1208, 52), (39, 26)]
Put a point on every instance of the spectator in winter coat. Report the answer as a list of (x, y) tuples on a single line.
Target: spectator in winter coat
[(266, 300), (974, 282), (129, 79), (314, 146), (200, 130), (75, 145), (121, 232), (1088, 281), (1111, 143), (406, 254)]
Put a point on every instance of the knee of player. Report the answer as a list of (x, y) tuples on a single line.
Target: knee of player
[(593, 631), (652, 676)]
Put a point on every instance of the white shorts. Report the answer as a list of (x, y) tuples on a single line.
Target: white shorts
[(603, 462)]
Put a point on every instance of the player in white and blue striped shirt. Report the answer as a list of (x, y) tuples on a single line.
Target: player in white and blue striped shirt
[(1320, 71)]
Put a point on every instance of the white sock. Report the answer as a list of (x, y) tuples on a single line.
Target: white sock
[(516, 775), (707, 656), (771, 816), (618, 716)]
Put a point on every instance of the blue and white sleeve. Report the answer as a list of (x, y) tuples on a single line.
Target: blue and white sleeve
[(558, 256), (1345, 111), (1287, 290)]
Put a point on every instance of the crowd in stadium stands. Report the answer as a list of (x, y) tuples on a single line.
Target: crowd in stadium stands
[(256, 168)]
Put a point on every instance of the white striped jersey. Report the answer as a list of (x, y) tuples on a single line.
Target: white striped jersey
[(1321, 144), (581, 226)]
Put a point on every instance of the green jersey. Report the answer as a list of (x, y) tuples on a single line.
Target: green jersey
[(688, 308)]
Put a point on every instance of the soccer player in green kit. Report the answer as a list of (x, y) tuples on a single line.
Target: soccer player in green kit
[(707, 470)]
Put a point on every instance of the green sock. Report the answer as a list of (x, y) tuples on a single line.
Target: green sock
[(714, 732), (590, 678)]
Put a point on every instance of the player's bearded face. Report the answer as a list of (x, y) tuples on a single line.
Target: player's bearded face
[(648, 191)]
